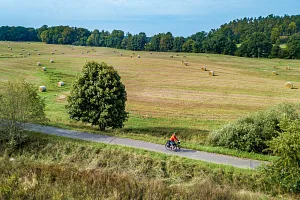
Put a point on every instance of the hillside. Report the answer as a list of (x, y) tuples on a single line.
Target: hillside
[(164, 95)]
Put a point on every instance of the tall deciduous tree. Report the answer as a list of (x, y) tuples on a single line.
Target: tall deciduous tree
[(257, 46), (98, 97), (293, 46), (177, 44)]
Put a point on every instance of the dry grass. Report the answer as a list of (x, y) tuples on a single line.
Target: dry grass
[(160, 87)]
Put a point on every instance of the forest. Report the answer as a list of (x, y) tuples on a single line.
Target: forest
[(267, 37)]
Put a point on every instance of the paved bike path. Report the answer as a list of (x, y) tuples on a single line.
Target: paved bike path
[(193, 154)]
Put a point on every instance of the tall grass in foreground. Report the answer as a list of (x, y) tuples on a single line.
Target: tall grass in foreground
[(71, 169), (20, 181)]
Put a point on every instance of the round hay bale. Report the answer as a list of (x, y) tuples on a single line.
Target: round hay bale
[(87, 51), (287, 68), (151, 53), (138, 56), (42, 88), (211, 73), (38, 53), (186, 63), (121, 54), (274, 73), (52, 53), (55, 50), (23, 49), (288, 85), (71, 48), (130, 56), (62, 53), (93, 49), (60, 83), (8, 47), (35, 49), (82, 53), (51, 61), (275, 67), (29, 54), (177, 54), (61, 97), (44, 69), (171, 56), (20, 53), (38, 64), (203, 68), (114, 51)]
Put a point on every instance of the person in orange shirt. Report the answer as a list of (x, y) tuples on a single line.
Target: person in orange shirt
[(173, 139)]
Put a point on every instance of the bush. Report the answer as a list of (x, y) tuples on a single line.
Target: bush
[(251, 133), (19, 103), (285, 172)]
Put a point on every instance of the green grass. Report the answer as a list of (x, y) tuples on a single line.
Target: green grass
[(70, 168), (163, 95)]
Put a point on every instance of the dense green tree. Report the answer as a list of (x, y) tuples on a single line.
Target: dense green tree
[(258, 45), (155, 43), (275, 34), (293, 46), (188, 46), (94, 38), (177, 44), (292, 28), (115, 39), (166, 42), (198, 38), (98, 97), (276, 51), (138, 42)]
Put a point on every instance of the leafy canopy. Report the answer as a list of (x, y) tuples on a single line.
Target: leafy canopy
[(98, 97)]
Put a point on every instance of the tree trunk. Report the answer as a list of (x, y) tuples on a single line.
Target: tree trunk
[(102, 127)]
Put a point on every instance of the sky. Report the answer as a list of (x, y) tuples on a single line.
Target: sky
[(180, 17)]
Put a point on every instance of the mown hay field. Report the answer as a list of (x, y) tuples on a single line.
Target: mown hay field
[(164, 95)]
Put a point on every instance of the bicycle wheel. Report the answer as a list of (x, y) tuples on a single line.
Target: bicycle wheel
[(168, 146)]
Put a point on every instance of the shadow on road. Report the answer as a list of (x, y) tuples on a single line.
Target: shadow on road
[(186, 151)]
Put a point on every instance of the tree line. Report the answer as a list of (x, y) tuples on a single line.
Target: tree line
[(247, 37)]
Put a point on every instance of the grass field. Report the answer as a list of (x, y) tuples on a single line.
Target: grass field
[(163, 94)]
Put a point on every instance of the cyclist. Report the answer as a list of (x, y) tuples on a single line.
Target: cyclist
[(173, 139)]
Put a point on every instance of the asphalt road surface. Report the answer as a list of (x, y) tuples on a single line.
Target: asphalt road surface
[(193, 154)]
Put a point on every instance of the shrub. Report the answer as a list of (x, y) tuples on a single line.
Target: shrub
[(19, 103), (285, 172), (251, 133)]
